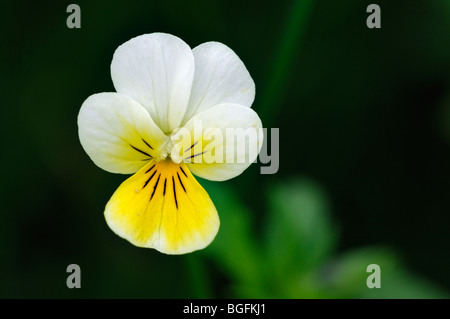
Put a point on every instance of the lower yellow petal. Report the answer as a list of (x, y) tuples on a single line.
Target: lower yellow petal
[(162, 206)]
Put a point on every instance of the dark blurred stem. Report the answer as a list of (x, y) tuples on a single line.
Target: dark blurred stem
[(284, 57), (199, 282)]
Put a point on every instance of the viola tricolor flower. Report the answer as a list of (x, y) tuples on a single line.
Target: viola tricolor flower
[(167, 121)]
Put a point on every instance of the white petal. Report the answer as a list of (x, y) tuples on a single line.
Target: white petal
[(156, 70), (220, 142), (220, 77), (117, 133)]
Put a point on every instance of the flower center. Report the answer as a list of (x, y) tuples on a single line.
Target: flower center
[(167, 152)]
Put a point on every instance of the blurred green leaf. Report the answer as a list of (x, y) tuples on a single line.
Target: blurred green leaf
[(346, 276), (235, 248), (299, 231), (295, 259), (402, 284)]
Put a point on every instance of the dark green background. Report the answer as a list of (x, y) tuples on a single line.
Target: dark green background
[(364, 118)]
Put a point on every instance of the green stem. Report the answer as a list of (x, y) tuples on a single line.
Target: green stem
[(284, 56), (199, 283)]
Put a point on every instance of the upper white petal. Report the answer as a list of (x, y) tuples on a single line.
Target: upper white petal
[(220, 77), (156, 70), (116, 131)]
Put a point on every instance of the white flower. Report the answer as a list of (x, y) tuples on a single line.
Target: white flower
[(164, 88)]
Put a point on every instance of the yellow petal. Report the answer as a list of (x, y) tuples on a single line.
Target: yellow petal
[(162, 206)]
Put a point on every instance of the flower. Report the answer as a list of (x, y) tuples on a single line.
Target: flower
[(170, 103)]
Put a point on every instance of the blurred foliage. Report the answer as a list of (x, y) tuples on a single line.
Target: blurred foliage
[(297, 257)]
